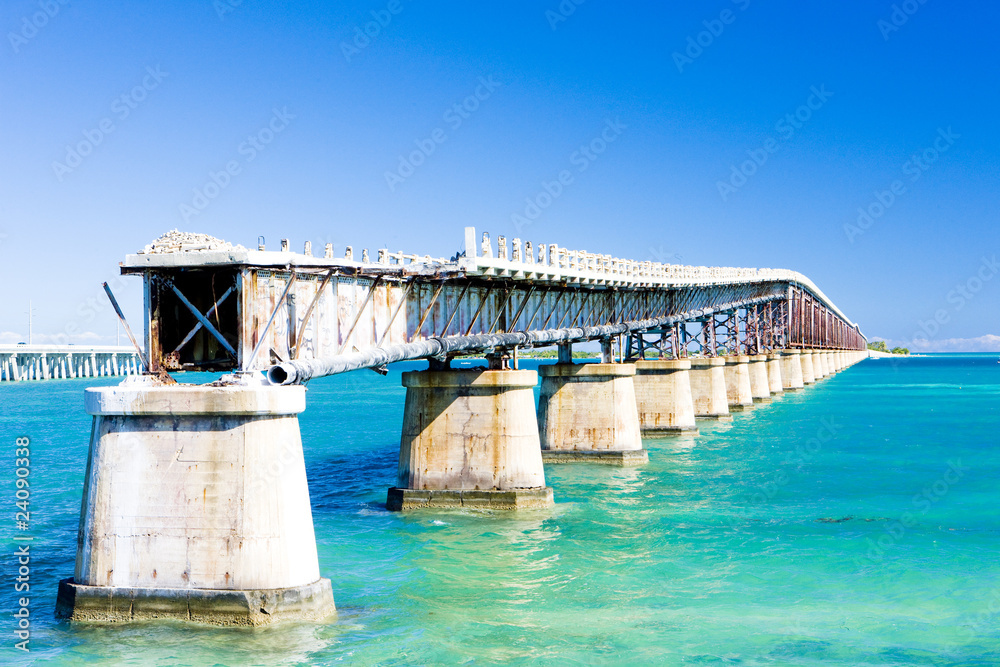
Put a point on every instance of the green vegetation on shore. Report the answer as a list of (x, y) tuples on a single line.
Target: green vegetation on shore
[(880, 346)]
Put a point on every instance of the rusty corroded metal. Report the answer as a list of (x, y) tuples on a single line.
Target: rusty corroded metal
[(364, 314)]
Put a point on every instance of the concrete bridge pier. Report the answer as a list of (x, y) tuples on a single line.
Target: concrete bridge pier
[(760, 387), (819, 365), (588, 412), (828, 360), (708, 388), (808, 369), (739, 392), (663, 397), (791, 370), (774, 373), (195, 507), (470, 439)]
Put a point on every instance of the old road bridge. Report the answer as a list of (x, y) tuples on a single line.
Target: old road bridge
[(195, 500)]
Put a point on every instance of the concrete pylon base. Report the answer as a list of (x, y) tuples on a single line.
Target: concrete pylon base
[(631, 457), (759, 387), (196, 506), (739, 393), (708, 388), (663, 398), (774, 384), (470, 440), (791, 370), (808, 369), (255, 608), (511, 499), (588, 408)]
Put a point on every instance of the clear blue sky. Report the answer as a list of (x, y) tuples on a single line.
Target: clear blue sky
[(677, 116)]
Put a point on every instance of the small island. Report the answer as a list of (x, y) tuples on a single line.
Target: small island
[(880, 346)]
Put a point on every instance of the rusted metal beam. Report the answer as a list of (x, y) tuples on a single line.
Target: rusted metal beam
[(455, 311), (128, 329), (357, 316), (263, 334), (399, 306), (201, 318), (199, 325), (309, 311)]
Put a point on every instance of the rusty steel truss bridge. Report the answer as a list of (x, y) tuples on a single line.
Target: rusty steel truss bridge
[(300, 316)]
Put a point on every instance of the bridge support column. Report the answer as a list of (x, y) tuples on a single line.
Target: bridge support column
[(819, 365), (470, 439), (774, 383), (195, 507), (828, 363), (739, 393), (760, 388), (791, 370), (587, 412), (708, 388), (663, 397), (808, 369)]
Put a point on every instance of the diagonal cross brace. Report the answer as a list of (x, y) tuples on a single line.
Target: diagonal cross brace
[(201, 318), (197, 327)]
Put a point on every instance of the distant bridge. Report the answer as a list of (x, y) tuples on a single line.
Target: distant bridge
[(306, 316), (52, 362)]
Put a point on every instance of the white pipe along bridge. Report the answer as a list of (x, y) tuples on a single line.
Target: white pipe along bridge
[(196, 503)]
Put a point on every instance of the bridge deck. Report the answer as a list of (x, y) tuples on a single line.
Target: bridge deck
[(295, 307)]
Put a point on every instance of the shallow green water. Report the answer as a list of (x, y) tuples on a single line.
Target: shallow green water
[(856, 522)]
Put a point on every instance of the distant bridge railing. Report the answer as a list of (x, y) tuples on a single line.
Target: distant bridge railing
[(51, 362)]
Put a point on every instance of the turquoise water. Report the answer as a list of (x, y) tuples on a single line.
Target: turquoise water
[(856, 522)]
